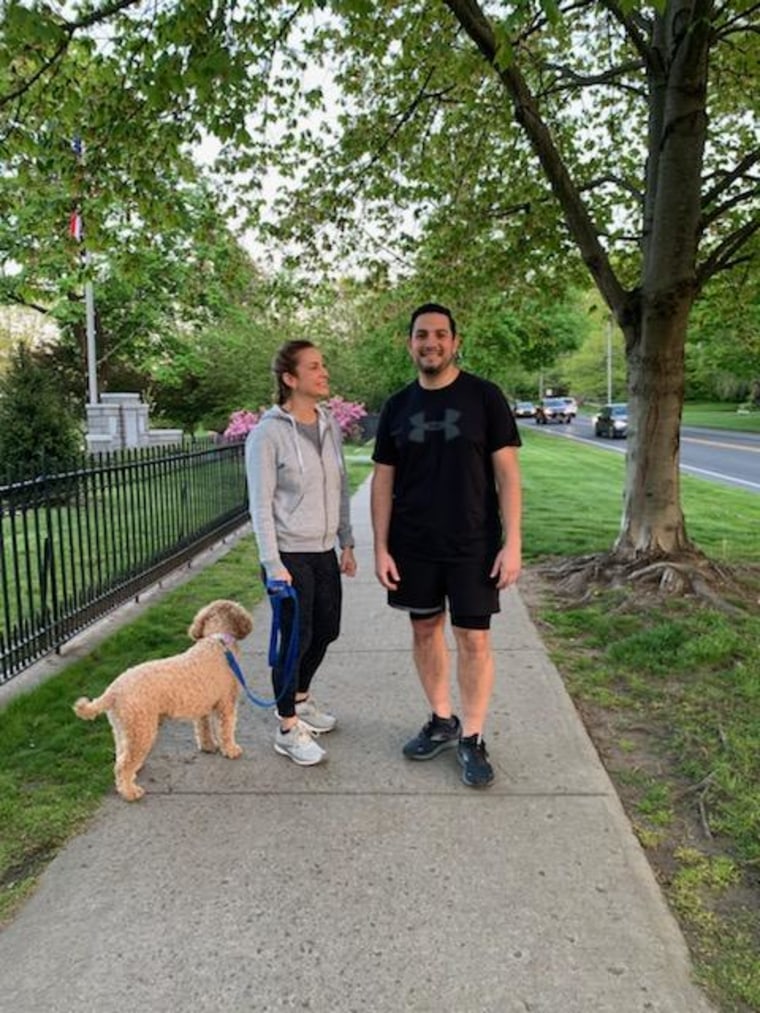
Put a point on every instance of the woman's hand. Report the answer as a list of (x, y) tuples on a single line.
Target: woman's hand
[(281, 574), (348, 562)]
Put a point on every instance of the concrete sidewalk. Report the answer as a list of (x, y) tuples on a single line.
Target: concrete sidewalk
[(368, 884)]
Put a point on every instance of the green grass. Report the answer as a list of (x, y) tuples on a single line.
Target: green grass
[(574, 494), (695, 670), (720, 416), (675, 683)]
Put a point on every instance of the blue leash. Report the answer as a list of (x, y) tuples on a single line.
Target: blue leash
[(278, 591)]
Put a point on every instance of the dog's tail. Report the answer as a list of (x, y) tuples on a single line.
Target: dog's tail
[(89, 709)]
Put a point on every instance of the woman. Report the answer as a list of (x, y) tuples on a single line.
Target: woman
[(299, 502)]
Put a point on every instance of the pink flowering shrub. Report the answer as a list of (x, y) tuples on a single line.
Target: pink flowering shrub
[(241, 423), (346, 413)]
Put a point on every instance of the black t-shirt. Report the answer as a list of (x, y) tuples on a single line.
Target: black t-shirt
[(440, 442)]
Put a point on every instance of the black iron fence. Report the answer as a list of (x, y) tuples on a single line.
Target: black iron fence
[(74, 545)]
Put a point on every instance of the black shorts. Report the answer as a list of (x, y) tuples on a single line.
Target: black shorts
[(425, 586)]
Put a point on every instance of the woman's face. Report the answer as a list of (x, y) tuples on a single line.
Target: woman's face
[(311, 378)]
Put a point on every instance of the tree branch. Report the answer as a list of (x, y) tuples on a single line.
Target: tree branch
[(18, 300), (618, 181), (25, 85), (606, 77), (727, 179), (68, 30), (401, 119), (634, 29), (724, 254), (736, 22), (471, 17), (98, 16), (524, 207), (738, 198)]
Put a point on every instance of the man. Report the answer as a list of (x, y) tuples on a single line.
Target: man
[(446, 508)]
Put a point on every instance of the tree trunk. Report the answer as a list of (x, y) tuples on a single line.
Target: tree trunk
[(653, 523)]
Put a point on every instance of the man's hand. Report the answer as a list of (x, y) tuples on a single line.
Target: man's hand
[(506, 567), (386, 571)]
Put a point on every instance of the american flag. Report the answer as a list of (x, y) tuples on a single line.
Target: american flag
[(76, 227)]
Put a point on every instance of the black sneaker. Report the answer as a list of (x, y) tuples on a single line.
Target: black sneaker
[(437, 735), (477, 772)]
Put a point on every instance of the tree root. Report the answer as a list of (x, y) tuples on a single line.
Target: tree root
[(691, 574)]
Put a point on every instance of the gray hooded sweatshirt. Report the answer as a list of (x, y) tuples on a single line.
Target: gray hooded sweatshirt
[(298, 497)]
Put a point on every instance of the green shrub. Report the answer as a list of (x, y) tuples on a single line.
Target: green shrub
[(39, 431)]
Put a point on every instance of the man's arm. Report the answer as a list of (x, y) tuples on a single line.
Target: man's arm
[(381, 504), (508, 562)]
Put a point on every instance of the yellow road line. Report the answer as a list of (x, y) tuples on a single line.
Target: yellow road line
[(725, 446)]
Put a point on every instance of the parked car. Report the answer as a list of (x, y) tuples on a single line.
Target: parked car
[(572, 405), (552, 409), (612, 421), (524, 410)]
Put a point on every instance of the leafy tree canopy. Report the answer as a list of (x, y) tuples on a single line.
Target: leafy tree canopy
[(83, 139), (494, 147)]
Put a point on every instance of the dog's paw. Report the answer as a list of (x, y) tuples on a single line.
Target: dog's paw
[(132, 794), (234, 752)]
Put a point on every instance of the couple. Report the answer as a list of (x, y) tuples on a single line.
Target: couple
[(446, 505)]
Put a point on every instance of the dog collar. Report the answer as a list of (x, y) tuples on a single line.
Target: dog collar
[(226, 639)]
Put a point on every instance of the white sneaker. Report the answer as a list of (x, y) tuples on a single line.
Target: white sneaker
[(310, 714), (298, 745), (316, 720)]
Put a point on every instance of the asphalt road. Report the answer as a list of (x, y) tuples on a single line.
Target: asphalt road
[(717, 455)]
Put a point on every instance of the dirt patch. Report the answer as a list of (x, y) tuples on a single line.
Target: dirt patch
[(33, 864)]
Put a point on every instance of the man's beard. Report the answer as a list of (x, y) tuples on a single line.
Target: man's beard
[(435, 368)]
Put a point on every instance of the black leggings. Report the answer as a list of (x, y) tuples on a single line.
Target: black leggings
[(316, 579)]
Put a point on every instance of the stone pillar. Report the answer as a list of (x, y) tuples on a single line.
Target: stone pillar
[(132, 418), (103, 427), (120, 421)]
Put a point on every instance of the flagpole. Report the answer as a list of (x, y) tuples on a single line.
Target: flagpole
[(92, 373), (77, 232)]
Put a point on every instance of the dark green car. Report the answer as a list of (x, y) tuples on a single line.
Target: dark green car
[(612, 421)]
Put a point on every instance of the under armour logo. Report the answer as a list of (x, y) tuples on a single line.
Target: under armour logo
[(447, 425)]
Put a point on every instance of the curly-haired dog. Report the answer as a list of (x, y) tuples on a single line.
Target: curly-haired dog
[(198, 685)]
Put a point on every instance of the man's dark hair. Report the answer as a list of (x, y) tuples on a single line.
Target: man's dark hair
[(432, 307)]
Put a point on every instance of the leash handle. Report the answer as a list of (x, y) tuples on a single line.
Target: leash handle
[(279, 591)]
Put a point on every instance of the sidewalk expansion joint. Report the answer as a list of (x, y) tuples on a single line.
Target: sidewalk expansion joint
[(322, 793)]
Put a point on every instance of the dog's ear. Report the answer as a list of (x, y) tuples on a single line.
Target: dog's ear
[(196, 627), (242, 623)]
